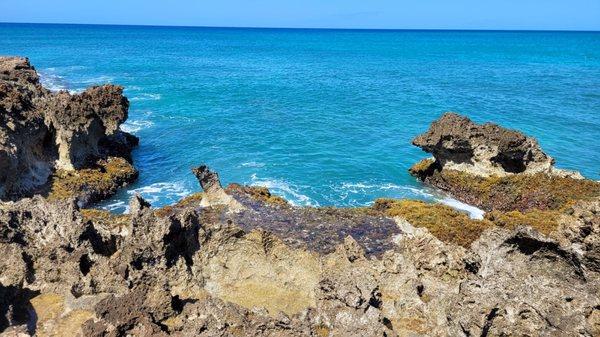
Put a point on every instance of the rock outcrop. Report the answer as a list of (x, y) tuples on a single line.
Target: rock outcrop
[(206, 271), (488, 149), (495, 168), (43, 131)]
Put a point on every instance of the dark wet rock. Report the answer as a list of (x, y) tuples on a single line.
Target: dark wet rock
[(43, 131), (209, 180)]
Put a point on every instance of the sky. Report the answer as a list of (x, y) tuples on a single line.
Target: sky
[(380, 14)]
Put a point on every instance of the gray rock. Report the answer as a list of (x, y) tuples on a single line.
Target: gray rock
[(487, 149)]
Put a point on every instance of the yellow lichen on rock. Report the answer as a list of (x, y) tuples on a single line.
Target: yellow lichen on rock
[(446, 223), (250, 274), (192, 199), (543, 221), (259, 193), (105, 218), (512, 192), (55, 319), (92, 184)]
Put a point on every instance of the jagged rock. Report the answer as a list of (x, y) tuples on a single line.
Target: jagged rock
[(240, 262), (214, 193), (208, 271), (494, 168), (42, 131), (488, 149)]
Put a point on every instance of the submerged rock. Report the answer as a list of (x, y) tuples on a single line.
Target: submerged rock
[(43, 131)]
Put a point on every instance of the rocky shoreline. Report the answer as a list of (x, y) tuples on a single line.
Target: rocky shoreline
[(238, 261)]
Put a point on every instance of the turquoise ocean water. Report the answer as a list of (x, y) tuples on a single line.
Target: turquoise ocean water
[(322, 117)]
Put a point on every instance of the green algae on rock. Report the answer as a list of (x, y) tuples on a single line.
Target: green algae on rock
[(72, 139), (91, 185), (467, 165)]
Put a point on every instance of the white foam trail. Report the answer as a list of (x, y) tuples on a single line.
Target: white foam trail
[(253, 164), (134, 126), (51, 81), (116, 206), (407, 191), (474, 212), (284, 188), (158, 191), (146, 97)]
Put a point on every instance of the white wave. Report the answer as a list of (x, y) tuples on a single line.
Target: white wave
[(146, 97), (474, 212), (283, 188), (118, 205), (403, 191), (52, 81), (253, 164), (134, 126), (162, 191), (370, 188), (98, 80)]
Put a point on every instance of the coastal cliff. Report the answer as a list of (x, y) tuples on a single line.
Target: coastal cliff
[(238, 261), (47, 137)]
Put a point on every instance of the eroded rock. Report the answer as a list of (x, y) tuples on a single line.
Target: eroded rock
[(43, 131), (204, 270), (488, 149)]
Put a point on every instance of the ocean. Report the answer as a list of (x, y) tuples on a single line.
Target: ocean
[(321, 117)]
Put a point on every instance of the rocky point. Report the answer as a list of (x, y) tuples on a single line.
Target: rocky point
[(46, 136), (239, 261)]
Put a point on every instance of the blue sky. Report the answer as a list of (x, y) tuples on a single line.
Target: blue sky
[(401, 14)]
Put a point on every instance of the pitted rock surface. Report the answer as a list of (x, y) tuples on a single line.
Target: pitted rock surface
[(205, 271), (487, 149), (41, 131)]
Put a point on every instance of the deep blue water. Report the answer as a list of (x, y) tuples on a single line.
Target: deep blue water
[(323, 117)]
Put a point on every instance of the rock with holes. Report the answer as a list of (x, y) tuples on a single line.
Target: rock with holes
[(487, 149), (202, 270), (526, 285), (42, 131)]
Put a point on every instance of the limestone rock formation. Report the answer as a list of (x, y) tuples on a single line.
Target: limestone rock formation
[(494, 168), (194, 270), (238, 261), (43, 131), (488, 149)]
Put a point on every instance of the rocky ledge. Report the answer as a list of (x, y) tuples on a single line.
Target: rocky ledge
[(239, 261), (47, 137)]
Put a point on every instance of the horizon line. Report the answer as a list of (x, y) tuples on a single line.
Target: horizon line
[(304, 28)]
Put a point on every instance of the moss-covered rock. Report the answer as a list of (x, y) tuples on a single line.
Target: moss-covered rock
[(520, 192), (190, 200), (452, 226), (92, 184), (105, 218), (258, 193), (446, 223)]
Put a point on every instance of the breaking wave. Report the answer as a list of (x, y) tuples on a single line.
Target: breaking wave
[(134, 126), (290, 192), (164, 193)]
